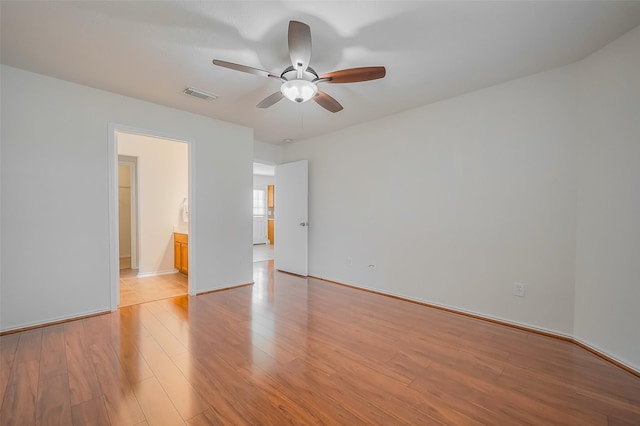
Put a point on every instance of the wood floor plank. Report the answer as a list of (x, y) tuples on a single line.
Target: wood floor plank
[(92, 412), (292, 344), (617, 421), (292, 350), (335, 404), (132, 362), (8, 346), (268, 345), (208, 418), (520, 406), (156, 405), (180, 391), (54, 357), (395, 398), (29, 346), (97, 329), (580, 397), (122, 405), (169, 343), (215, 390), (273, 391), (83, 382), (450, 395), (177, 326), (134, 290), (125, 336), (54, 402), (19, 405)]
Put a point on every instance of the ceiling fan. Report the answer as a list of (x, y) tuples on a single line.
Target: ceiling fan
[(300, 81)]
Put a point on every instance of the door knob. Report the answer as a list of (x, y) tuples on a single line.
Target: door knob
[(304, 223)]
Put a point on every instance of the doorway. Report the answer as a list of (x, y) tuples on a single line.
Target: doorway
[(150, 194), (263, 212)]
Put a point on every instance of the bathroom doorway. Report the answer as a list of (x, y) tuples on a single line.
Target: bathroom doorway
[(263, 212), (153, 188), (128, 212)]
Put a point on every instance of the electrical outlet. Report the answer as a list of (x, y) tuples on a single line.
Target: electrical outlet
[(519, 289)]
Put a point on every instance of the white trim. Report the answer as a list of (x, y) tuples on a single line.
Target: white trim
[(155, 274), (56, 319), (450, 307), (225, 287), (193, 214), (532, 328), (114, 237), (596, 348), (112, 167)]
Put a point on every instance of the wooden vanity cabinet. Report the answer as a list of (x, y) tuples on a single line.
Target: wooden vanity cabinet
[(270, 196), (181, 253), (270, 231)]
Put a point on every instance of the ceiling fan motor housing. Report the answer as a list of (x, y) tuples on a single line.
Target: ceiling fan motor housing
[(291, 73)]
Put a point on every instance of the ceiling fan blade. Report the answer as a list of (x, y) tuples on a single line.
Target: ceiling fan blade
[(327, 102), (270, 100), (299, 44), (353, 75), (244, 68)]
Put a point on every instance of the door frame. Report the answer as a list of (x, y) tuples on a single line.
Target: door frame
[(114, 246)]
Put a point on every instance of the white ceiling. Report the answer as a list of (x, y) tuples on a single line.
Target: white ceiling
[(263, 169), (432, 50)]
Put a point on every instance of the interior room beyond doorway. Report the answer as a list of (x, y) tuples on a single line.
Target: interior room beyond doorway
[(153, 204), (263, 212)]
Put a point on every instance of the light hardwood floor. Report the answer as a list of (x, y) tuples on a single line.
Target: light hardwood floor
[(290, 350), (134, 290), (262, 252)]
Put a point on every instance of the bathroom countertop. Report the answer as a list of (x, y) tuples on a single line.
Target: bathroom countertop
[(181, 229)]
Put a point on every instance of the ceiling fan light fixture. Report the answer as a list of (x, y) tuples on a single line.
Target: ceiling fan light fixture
[(298, 90)]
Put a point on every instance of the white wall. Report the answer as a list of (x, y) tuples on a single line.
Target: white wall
[(55, 195), (455, 202), (124, 210), (163, 177), (267, 153), (607, 313), (536, 181), (263, 181)]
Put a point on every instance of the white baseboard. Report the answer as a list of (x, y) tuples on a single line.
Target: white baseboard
[(613, 358), (155, 274), (55, 320), (222, 288), (626, 365)]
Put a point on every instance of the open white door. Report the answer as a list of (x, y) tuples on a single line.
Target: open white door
[(291, 217)]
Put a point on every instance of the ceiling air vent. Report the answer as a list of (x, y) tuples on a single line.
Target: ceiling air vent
[(199, 93)]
